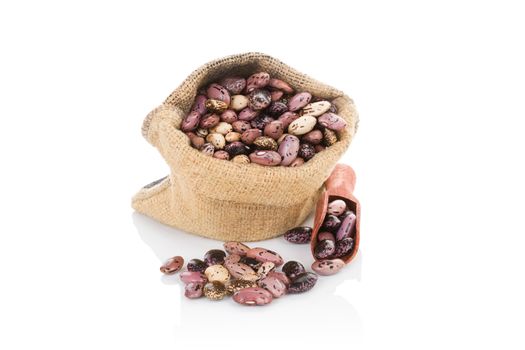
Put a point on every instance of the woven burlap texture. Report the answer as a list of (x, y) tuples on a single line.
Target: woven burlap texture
[(227, 201)]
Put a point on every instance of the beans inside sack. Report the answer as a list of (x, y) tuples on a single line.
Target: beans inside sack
[(261, 120)]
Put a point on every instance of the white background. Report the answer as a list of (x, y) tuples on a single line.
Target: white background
[(440, 88)]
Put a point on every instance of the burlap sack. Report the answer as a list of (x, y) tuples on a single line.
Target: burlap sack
[(227, 201)]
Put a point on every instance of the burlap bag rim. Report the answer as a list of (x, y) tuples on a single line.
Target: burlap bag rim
[(165, 121)]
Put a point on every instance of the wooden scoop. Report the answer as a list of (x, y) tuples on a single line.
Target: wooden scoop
[(339, 185)]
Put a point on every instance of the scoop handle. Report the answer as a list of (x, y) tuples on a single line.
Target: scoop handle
[(341, 182)]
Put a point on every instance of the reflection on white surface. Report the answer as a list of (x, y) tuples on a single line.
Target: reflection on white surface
[(289, 315)]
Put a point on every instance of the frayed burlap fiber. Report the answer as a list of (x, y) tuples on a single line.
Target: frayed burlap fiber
[(227, 201)]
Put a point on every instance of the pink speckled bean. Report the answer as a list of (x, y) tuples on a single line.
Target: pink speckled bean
[(287, 118), (299, 100), (347, 227), (248, 114), (172, 265), (253, 296), (250, 135), (276, 95), (263, 255), (199, 105), (191, 121), (288, 149), (281, 276), (238, 248), (328, 267), (218, 92), (257, 81), (268, 158), (332, 121), (280, 85), (326, 235), (193, 277), (273, 285)]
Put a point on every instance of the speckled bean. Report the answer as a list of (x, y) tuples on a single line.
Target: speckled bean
[(222, 128), (232, 136), (274, 129), (218, 92), (193, 290), (331, 223), (250, 135), (248, 114), (208, 149), (257, 81), (214, 257), (336, 207), (329, 137), (328, 267), (192, 276), (261, 121), (254, 264), (241, 126), (316, 109), (217, 140), (229, 116), (263, 255), (299, 235), (259, 99), (236, 248), (292, 269), (253, 296), (236, 148), (343, 247), (273, 285), (199, 105), (302, 125), (197, 142), (234, 85), (265, 143), (196, 265), (235, 285), (332, 121), (306, 151), (280, 276), (216, 106), (265, 268), (223, 155), (280, 85), (314, 137), (347, 227), (214, 290), (238, 102), (303, 283), (209, 121), (299, 100), (326, 235), (276, 95), (241, 159), (217, 273), (232, 258), (277, 108), (268, 158), (242, 271), (287, 118), (172, 265), (324, 249), (191, 121)]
